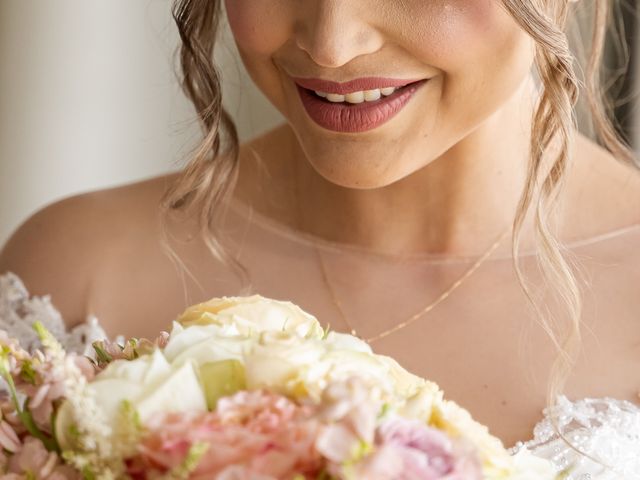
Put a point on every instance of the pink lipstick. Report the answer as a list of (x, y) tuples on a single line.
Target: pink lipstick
[(355, 117)]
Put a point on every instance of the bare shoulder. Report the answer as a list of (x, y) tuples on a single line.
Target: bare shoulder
[(603, 192), (59, 249)]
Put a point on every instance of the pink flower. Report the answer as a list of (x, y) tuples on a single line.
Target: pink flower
[(13, 346), (252, 434), (9, 439), (36, 462), (351, 402), (108, 351), (407, 449), (48, 385), (349, 415)]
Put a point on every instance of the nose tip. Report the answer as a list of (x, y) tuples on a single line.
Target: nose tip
[(336, 53), (333, 34)]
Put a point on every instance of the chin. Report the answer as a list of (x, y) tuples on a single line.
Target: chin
[(365, 161)]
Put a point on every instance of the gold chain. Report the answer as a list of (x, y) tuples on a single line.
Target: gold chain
[(426, 309), (414, 317)]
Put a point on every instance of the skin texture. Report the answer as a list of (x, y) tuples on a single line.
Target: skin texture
[(472, 116), (443, 176)]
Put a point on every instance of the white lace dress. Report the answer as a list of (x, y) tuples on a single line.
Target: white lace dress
[(606, 429)]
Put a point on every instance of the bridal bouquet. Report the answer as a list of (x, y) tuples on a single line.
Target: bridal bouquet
[(242, 388)]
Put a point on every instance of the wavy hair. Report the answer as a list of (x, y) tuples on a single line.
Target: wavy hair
[(212, 170)]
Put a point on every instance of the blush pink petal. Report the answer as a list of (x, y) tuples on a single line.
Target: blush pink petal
[(264, 433), (8, 438), (407, 449)]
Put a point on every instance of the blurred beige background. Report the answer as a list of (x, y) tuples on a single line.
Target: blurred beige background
[(88, 99)]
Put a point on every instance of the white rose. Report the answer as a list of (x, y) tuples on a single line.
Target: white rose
[(345, 341), (205, 343), (304, 367), (405, 383), (252, 315), (149, 383), (354, 356), (420, 405), (338, 365), (277, 358), (147, 369)]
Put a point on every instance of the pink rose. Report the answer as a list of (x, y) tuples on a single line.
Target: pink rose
[(250, 435), (407, 449)]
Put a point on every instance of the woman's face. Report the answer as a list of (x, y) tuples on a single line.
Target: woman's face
[(471, 51)]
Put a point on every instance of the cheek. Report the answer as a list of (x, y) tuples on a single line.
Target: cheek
[(259, 26), (481, 51), (450, 34)]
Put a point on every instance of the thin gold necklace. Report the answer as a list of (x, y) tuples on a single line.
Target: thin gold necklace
[(414, 317)]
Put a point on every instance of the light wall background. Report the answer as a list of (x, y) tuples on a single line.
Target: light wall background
[(88, 99)]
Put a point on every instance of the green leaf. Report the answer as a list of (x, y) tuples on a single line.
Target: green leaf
[(326, 331), (101, 354), (190, 462), (27, 373), (383, 411), (220, 379), (23, 413), (27, 420), (130, 414)]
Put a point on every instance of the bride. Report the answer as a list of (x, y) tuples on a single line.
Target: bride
[(429, 191)]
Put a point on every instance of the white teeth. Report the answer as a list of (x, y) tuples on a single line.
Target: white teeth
[(371, 95), (355, 97), (335, 97), (358, 97)]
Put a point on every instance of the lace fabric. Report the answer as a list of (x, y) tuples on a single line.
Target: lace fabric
[(19, 311), (604, 437), (605, 429)]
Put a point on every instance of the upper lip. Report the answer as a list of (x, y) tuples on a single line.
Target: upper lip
[(356, 85)]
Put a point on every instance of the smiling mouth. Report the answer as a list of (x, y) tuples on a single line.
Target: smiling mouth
[(364, 97), (352, 112)]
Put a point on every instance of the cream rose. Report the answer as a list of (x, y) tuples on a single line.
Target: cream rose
[(252, 315), (277, 358), (421, 403), (304, 367), (206, 343)]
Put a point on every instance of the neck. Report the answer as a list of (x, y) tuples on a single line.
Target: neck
[(458, 204)]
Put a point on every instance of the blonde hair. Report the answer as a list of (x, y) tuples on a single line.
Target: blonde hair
[(554, 120), (211, 173)]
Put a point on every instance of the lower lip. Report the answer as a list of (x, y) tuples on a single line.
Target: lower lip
[(356, 117)]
